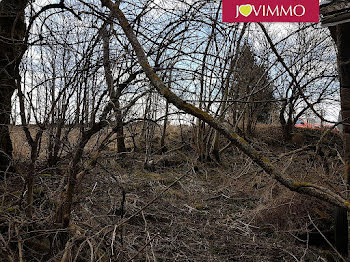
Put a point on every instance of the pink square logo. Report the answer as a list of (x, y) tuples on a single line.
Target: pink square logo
[(234, 11)]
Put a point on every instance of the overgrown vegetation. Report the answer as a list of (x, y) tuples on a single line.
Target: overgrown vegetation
[(182, 209), (145, 131)]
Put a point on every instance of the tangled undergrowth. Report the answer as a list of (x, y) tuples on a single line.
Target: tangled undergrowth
[(179, 210)]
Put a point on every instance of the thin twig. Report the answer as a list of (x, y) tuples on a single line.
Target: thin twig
[(329, 243), (142, 248)]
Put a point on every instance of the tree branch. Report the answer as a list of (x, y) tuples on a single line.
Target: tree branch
[(300, 187)]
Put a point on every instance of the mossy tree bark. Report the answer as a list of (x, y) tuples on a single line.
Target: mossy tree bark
[(12, 32)]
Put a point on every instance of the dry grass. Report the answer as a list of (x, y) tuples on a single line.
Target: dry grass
[(227, 212)]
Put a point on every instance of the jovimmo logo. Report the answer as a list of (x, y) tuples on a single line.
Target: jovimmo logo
[(270, 11)]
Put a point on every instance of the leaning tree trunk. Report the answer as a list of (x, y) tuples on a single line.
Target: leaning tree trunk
[(12, 32), (341, 36)]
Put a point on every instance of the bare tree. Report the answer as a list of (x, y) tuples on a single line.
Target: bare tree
[(301, 187), (94, 75), (12, 32), (304, 72)]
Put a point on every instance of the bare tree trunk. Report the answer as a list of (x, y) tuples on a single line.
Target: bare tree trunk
[(93, 102), (341, 35), (114, 95), (64, 209), (119, 129), (34, 147), (31, 173), (287, 125), (215, 146), (162, 140), (78, 103), (249, 121), (5, 140), (52, 136), (12, 31), (200, 125)]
